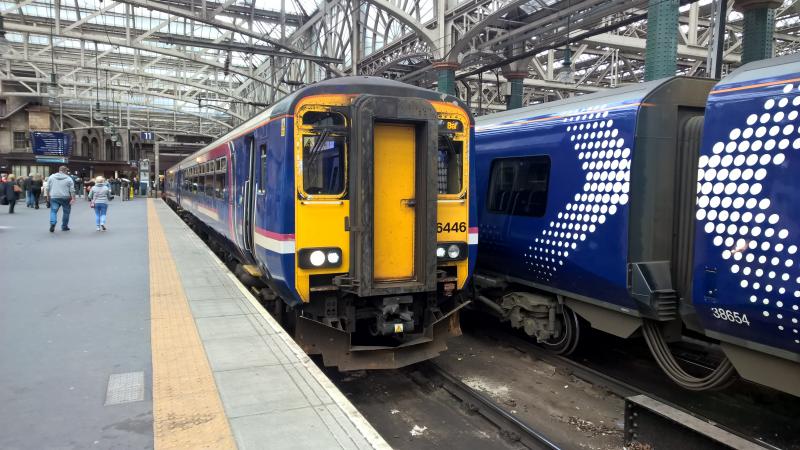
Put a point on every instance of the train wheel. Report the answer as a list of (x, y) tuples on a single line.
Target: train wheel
[(567, 341)]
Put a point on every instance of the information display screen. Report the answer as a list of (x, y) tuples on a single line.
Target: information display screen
[(52, 144)]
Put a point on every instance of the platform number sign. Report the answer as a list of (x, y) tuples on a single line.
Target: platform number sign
[(148, 136)]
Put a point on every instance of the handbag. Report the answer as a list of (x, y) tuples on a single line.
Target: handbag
[(17, 188)]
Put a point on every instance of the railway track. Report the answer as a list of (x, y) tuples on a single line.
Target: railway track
[(619, 387), (511, 427)]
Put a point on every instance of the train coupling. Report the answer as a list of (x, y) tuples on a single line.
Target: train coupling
[(394, 316)]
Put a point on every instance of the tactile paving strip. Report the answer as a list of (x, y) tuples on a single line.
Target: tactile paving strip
[(187, 411)]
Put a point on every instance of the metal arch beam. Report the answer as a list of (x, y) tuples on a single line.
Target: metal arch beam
[(400, 59), (117, 88), (77, 64), (473, 32), (126, 102), (424, 34), (187, 14), (115, 41)]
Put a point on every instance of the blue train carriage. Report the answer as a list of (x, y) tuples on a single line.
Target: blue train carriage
[(348, 207), (747, 281), (589, 214)]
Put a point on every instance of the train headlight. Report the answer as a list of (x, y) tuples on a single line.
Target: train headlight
[(317, 258), (333, 257), (451, 251)]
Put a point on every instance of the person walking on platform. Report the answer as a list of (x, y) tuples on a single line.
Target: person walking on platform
[(26, 185), (36, 189), (12, 191), (61, 191), (78, 187), (99, 197), (125, 190)]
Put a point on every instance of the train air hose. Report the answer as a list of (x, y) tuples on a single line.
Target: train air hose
[(720, 377)]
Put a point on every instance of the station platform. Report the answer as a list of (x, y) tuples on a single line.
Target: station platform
[(139, 337)]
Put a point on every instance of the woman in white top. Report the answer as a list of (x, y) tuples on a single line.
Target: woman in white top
[(99, 196)]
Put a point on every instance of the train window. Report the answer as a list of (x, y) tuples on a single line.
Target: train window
[(219, 187), (262, 181), (323, 164), (210, 185), (518, 186), (450, 165), (323, 119), (201, 184)]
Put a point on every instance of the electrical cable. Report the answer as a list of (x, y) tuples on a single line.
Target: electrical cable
[(720, 377)]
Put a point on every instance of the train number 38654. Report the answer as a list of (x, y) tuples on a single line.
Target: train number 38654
[(454, 226), (730, 316)]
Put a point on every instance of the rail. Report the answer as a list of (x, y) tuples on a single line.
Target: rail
[(515, 429)]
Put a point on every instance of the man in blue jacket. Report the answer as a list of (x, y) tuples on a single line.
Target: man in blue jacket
[(61, 191)]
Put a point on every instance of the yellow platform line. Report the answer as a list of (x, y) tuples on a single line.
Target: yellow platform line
[(187, 411)]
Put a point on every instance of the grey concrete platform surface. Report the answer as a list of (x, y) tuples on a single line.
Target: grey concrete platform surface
[(74, 310), (273, 394), (75, 341)]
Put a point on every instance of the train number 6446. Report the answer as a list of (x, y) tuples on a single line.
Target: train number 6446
[(730, 316), (451, 226)]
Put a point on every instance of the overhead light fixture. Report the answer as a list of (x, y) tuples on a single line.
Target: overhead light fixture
[(566, 75), (52, 89)]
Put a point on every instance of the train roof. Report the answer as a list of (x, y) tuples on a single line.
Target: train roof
[(342, 85), (607, 97), (762, 69)]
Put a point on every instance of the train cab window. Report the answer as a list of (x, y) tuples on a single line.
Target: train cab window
[(323, 163), (450, 163), (518, 186), (323, 119)]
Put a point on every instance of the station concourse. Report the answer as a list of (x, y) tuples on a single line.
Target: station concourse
[(140, 337)]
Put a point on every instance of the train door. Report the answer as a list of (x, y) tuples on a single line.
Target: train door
[(392, 193), (243, 164), (394, 201), (249, 198)]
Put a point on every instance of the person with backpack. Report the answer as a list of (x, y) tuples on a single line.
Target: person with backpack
[(99, 196)]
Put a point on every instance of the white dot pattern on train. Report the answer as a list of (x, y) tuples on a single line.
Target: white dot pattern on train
[(605, 161), (741, 221)]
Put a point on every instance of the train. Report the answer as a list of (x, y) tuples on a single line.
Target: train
[(663, 210), (348, 207)]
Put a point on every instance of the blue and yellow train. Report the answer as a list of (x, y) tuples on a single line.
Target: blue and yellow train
[(348, 206), (664, 209)]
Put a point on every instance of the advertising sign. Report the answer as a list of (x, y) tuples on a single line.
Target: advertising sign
[(51, 144)]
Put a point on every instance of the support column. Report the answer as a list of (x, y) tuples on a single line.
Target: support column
[(662, 39), (446, 71), (515, 82), (759, 25)]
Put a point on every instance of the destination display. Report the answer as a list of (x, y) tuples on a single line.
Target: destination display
[(51, 144)]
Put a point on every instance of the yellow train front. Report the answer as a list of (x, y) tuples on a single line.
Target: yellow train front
[(348, 204)]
